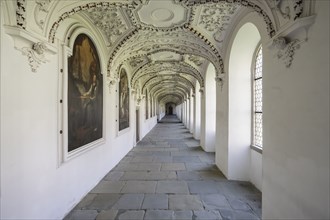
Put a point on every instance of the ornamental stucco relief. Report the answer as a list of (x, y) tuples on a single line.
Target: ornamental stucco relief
[(110, 21), (286, 50), (215, 18), (36, 55)]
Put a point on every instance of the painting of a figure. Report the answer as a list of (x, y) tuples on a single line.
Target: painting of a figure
[(123, 101), (85, 94)]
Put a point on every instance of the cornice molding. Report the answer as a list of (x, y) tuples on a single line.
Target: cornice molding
[(33, 46)]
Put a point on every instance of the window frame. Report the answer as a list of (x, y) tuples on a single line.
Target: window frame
[(253, 106)]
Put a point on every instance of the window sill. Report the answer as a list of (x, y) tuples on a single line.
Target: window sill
[(255, 148)]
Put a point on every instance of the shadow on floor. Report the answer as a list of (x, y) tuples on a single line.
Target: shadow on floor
[(168, 176)]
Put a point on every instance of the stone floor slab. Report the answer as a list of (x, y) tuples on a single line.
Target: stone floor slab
[(239, 204), (129, 201), (155, 201), (182, 215), (214, 201), (113, 176), (209, 215), (163, 159), (203, 187), (186, 159), (158, 214), (142, 159), (188, 175), (173, 166), (86, 201), (185, 202), (229, 214), (82, 215), (107, 214), (108, 187), (139, 187), (169, 176), (173, 187), (104, 201), (130, 215)]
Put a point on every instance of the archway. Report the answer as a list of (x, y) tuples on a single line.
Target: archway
[(208, 114), (234, 155)]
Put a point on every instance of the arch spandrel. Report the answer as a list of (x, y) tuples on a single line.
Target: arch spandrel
[(129, 35)]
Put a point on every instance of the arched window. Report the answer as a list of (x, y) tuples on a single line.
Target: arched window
[(257, 100)]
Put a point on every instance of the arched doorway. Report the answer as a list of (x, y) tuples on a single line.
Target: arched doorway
[(208, 111), (234, 156), (170, 110)]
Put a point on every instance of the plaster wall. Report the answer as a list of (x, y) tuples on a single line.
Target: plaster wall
[(296, 129), (233, 131), (221, 141), (255, 169), (242, 52), (192, 112), (178, 110), (146, 124), (185, 114), (188, 113), (209, 110), (202, 128), (197, 115), (34, 184)]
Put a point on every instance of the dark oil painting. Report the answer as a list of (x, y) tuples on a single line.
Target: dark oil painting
[(123, 101), (85, 94)]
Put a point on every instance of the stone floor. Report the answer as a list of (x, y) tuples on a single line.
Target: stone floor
[(168, 176)]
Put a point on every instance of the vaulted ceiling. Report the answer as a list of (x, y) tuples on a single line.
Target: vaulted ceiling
[(167, 44)]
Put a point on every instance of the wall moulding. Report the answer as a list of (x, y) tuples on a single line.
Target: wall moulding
[(289, 38), (40, 12), (220, 80), (33, 46)]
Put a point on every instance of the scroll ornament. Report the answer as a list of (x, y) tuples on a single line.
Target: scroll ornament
[(220, 79), (286, 50), (36, 55)]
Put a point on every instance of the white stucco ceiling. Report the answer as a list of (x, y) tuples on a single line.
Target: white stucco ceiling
[(157, 38)]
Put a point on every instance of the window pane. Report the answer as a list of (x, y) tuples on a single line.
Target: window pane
[(258, 67), (258, 129), (258, 95)]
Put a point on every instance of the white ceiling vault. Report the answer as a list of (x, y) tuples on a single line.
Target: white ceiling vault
[(167, 44)]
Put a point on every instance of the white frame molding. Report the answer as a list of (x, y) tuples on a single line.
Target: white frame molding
[(125, 130), (254, 59), (63, 154)]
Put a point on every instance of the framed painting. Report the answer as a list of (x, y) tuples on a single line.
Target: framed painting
[(85, 94), (123, 101)]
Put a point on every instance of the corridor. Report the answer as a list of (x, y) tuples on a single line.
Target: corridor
[(168, 176)]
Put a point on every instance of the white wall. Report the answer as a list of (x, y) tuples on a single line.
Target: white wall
[(240, 90), (160, 111), (209, 111), (33, 184), (295, 159), (178, 110), (296, 129), (255, 172), (192, 113), (146, 124), (234, 157), (184, 113), (197, 116), (188, 109)]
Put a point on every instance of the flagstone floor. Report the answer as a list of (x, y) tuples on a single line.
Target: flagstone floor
[(168, 176)]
